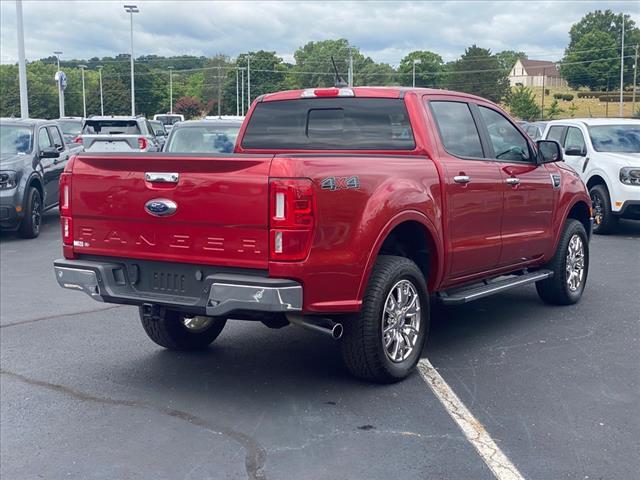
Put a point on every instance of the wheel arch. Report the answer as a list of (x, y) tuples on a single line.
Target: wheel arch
[(412, 235), (582, 212), (36, 182), (596, 179)]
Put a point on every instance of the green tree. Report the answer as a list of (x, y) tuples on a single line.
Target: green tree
[(313, 67), (595, 43), (554, 110), (508, 58), (479, 72), (429, 69), (522, 104)]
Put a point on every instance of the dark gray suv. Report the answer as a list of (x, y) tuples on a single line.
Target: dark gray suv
[(33, 155)]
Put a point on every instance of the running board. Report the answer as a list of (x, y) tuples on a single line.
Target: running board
[(466, 295)]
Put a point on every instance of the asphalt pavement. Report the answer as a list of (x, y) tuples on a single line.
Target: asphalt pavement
[(85, 394)]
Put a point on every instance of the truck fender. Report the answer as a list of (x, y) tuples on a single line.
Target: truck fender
[(36, 180), (405, 216)]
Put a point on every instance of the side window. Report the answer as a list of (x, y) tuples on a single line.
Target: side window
[(555, 133), (508, 143), (43, 139), (574, 140), (57, 138), (457, 128)]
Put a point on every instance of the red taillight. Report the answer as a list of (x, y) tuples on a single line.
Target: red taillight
[(142, 143), (291, 218), (327, 92), (65, 209)]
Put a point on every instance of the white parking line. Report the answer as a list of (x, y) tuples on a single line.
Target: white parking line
[(497, 461)]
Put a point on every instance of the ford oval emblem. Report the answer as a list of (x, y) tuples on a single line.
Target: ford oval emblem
[(160, 207)]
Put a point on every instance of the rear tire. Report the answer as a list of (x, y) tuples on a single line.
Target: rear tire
[(167, 329), (30, 224), (605, 221), (568, 281), (368, 352)]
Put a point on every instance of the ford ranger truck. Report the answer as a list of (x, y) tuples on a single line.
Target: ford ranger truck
[(342, 210)]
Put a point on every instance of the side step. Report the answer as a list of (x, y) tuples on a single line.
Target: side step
[(465, 295)]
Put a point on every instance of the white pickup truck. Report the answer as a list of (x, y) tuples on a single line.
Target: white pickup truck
[(606, 154)]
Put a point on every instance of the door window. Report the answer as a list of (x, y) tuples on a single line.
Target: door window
[(575, 140), (457, 128), (57, 138), (508, 143), (555, 133), (43, 139)]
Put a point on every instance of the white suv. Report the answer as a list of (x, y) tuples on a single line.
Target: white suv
[(606, 154)]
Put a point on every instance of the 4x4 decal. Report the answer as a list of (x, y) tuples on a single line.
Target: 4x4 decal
[(340, 183)]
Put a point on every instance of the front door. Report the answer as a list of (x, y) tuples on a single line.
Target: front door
[(48, 166), (529, 191), (472, 192)]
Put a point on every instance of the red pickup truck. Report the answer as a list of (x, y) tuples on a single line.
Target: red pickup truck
[(342, 210)]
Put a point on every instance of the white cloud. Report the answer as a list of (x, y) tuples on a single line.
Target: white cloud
[(386, 31)]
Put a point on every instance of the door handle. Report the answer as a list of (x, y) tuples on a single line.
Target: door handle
[(463, 179), (161, 177), (513, 181)]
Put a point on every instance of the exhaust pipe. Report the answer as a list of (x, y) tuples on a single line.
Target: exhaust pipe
[(317, 324)]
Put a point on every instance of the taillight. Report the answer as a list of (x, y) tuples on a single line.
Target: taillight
[(291, 218), (327, 92), (78, 139), (65, 209), (142, 143)]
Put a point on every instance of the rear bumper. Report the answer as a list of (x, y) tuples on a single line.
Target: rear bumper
[(216, 294)]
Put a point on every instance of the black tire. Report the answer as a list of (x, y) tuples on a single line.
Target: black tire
[(362, 345), (605, 221), (167, 330), (556, 290), (30, 224)]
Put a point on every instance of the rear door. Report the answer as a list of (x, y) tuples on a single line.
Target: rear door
[(529, 191), (473, 191), (58, 164), (175, 208)]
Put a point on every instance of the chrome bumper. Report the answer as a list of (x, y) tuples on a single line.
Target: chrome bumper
[(219, 294)]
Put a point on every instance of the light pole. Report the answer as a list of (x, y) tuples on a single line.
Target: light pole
[(248, 82), (242, 88), (60, 89), (622, 69), (237, 94), (131, 9), (101, 97), (170, 89), (416, 61), (84, 96), (22, 64)]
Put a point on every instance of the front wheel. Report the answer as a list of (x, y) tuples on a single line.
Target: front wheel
[(384, 341), (570, 266), (30, 225), (179, 331), (604, 220)]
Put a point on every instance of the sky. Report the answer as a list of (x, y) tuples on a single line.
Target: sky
[(385, 31)]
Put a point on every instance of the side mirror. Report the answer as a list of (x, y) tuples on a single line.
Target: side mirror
[(549, 151), (49, 152), (575, 151)]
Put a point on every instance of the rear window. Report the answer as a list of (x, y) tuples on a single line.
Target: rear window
[(330, 124), (168, 119), (111, 127)]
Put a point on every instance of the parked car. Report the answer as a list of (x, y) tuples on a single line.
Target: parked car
[(606, 154), (159, 132), (169, 119), (217, 135), (118, 134), (341, 210), (71, 127), (535, 129), (33, 155)]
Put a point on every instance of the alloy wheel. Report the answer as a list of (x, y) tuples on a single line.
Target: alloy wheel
[(401, 321)]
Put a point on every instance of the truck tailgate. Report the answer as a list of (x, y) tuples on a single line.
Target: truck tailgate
[(221, 208)]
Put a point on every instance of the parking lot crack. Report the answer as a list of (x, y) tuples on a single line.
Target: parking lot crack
[(61, 315), (255, 454)]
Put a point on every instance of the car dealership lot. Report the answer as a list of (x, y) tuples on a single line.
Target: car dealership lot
[(85, 394)]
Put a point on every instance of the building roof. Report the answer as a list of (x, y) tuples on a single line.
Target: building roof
[(538, 67)]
